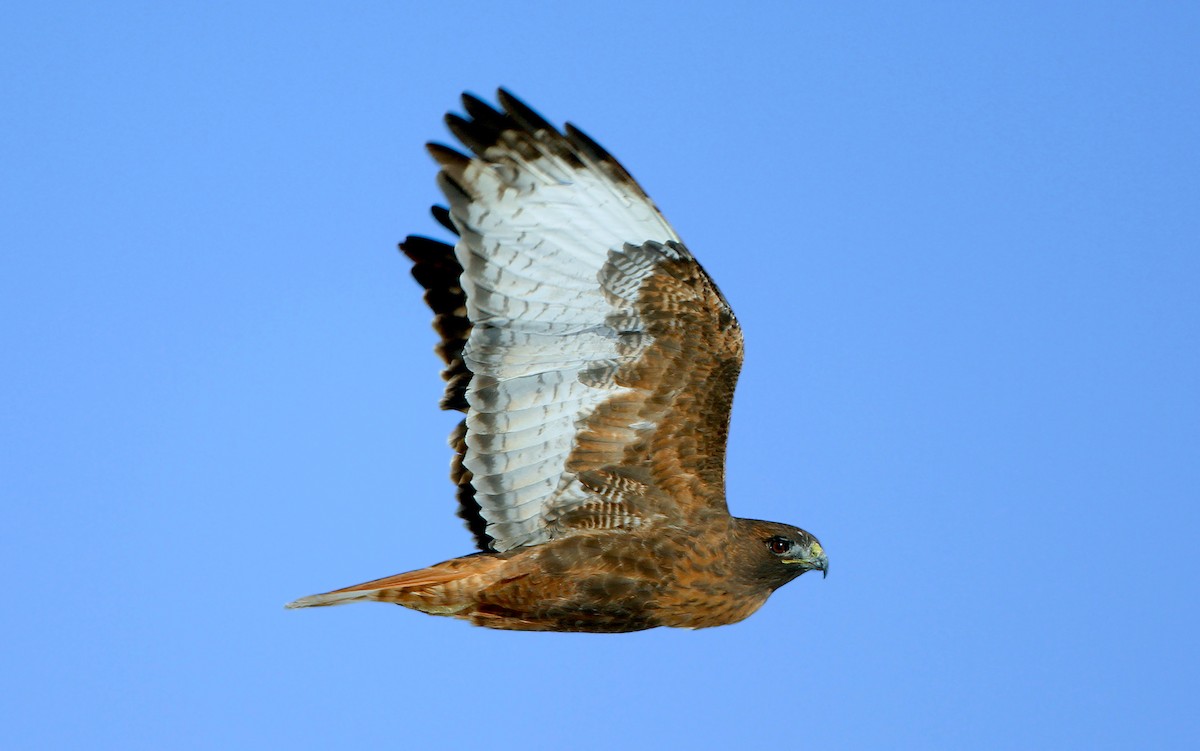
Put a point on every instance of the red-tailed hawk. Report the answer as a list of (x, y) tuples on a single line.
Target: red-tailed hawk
[(595, 361)]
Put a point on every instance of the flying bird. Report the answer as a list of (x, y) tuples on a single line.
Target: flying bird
[(595, 362)]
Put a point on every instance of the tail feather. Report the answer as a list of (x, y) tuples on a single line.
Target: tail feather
[(329, 598), (423, 589)]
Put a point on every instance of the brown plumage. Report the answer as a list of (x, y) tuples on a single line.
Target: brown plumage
[(595, 361)]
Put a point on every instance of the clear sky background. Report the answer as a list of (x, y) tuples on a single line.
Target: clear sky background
[(963, 240)]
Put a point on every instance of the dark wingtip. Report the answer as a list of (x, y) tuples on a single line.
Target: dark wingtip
[(426, 250), (479, 109), (528, 118), (587, 146), (447, 156), (441, 215)]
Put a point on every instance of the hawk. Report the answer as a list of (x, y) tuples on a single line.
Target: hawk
[(595, 362)]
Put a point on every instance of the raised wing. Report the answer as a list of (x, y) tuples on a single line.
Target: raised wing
[(595, 359)]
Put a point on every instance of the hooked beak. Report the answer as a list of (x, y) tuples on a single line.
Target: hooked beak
[(816, 560)]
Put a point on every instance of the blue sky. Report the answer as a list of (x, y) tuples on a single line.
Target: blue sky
[(963, 242)]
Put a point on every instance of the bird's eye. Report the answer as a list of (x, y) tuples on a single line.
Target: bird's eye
[(779, 545)]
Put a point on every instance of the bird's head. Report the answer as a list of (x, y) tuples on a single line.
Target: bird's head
[(777, 553)]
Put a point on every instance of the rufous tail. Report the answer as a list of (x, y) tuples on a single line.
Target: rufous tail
[(444, 589)]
